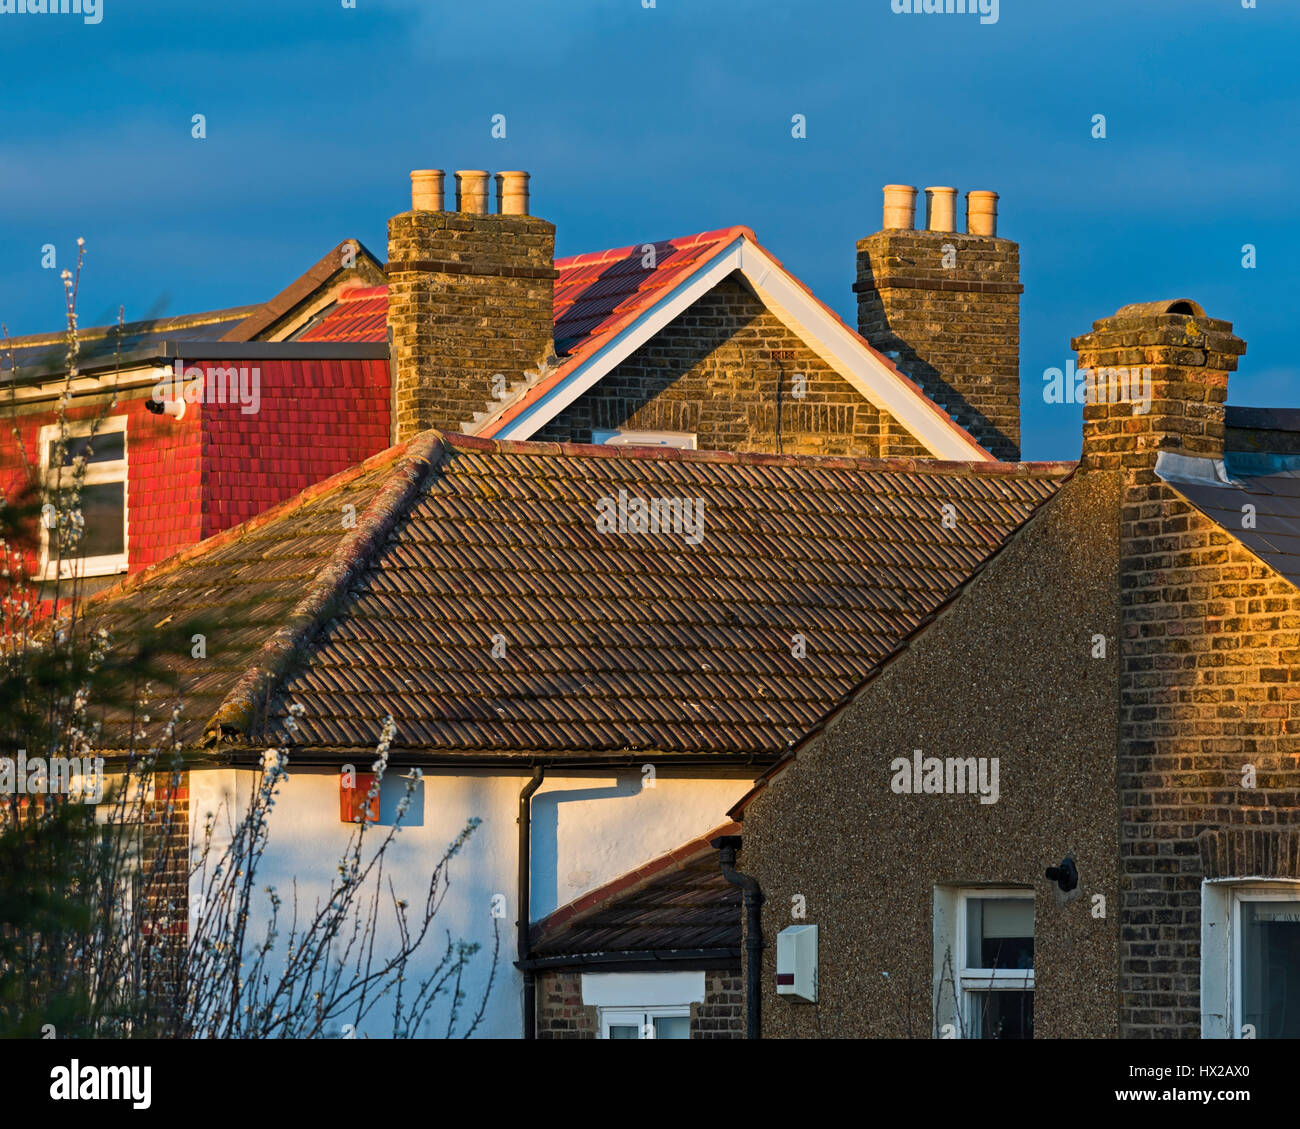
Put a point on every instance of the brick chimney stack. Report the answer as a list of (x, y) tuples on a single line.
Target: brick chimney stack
[(470, 298), (948, 305), (1155, 376)]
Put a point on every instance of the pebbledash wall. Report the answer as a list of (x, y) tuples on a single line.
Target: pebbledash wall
[(588, 828), (1008, 671), (1132, 764), (731, 373)]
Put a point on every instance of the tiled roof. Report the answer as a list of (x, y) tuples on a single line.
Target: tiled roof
[(595, 294), (1273, 532), (475, 600), (361, 314), (678, 902)]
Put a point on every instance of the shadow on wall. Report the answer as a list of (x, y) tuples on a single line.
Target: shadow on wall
[(546, 837), (933, 383)]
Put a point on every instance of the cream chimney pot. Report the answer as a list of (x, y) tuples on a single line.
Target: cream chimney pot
[(426, 190), (982, 213), (941, 209), (900, 206), (472, 191), (512, 193)]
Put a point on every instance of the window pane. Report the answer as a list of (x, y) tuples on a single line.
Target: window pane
[(107, 447), (672, 1026), (1001, 1015), (624, 1031), (1270, 972), (1000, 933), (103, 510)]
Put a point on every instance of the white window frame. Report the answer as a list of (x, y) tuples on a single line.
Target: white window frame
[(617, 437), (641, 1018), (1221, 933), (950, 911), (97, 474)]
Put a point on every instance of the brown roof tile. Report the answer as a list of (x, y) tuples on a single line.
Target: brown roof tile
[(679, 901), (616, 646)]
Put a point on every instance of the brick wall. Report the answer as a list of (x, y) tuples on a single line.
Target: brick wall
[(561, 1013), (1210, 665), (166, 873), (469, 297), (956, 328), (724, 370), (722, 1014)]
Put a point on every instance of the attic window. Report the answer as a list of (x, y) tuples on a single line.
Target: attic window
[(682, 440), (101, 549)]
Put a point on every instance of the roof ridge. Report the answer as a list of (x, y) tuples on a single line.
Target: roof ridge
[(327, 591), (632, 250), (632, 879), (903, 464), (127, 328), (316, 490)]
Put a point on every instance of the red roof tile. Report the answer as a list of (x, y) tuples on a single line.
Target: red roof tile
[(596, 294)]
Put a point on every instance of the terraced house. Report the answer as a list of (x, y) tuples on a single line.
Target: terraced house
[(1128, 660), (412, 525)]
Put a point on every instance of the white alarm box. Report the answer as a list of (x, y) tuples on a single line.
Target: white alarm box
[(796, 963)]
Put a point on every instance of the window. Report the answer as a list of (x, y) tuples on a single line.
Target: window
[(680, 439), (1268, 964), (1250, 959), (102, 547), (643, 1005), (645, 1023), (984, 963)]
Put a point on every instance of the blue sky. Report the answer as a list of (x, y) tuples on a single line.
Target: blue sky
[(645, 123)]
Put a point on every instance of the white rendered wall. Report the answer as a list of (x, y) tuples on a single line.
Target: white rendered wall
[(587, 830)]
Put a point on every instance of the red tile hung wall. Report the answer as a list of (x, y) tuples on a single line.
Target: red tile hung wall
[(163, 473), (313, 419)]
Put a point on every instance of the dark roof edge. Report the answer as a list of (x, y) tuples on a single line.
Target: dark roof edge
[(328, 590), (1262, 419), (897, 465), (182, 350), (641, 960), (321, 273)]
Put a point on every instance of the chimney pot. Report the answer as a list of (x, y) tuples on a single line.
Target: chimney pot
[(512, 193), (941, 209), (982, 213), (426, 190), (900, 207), (472, 191)]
